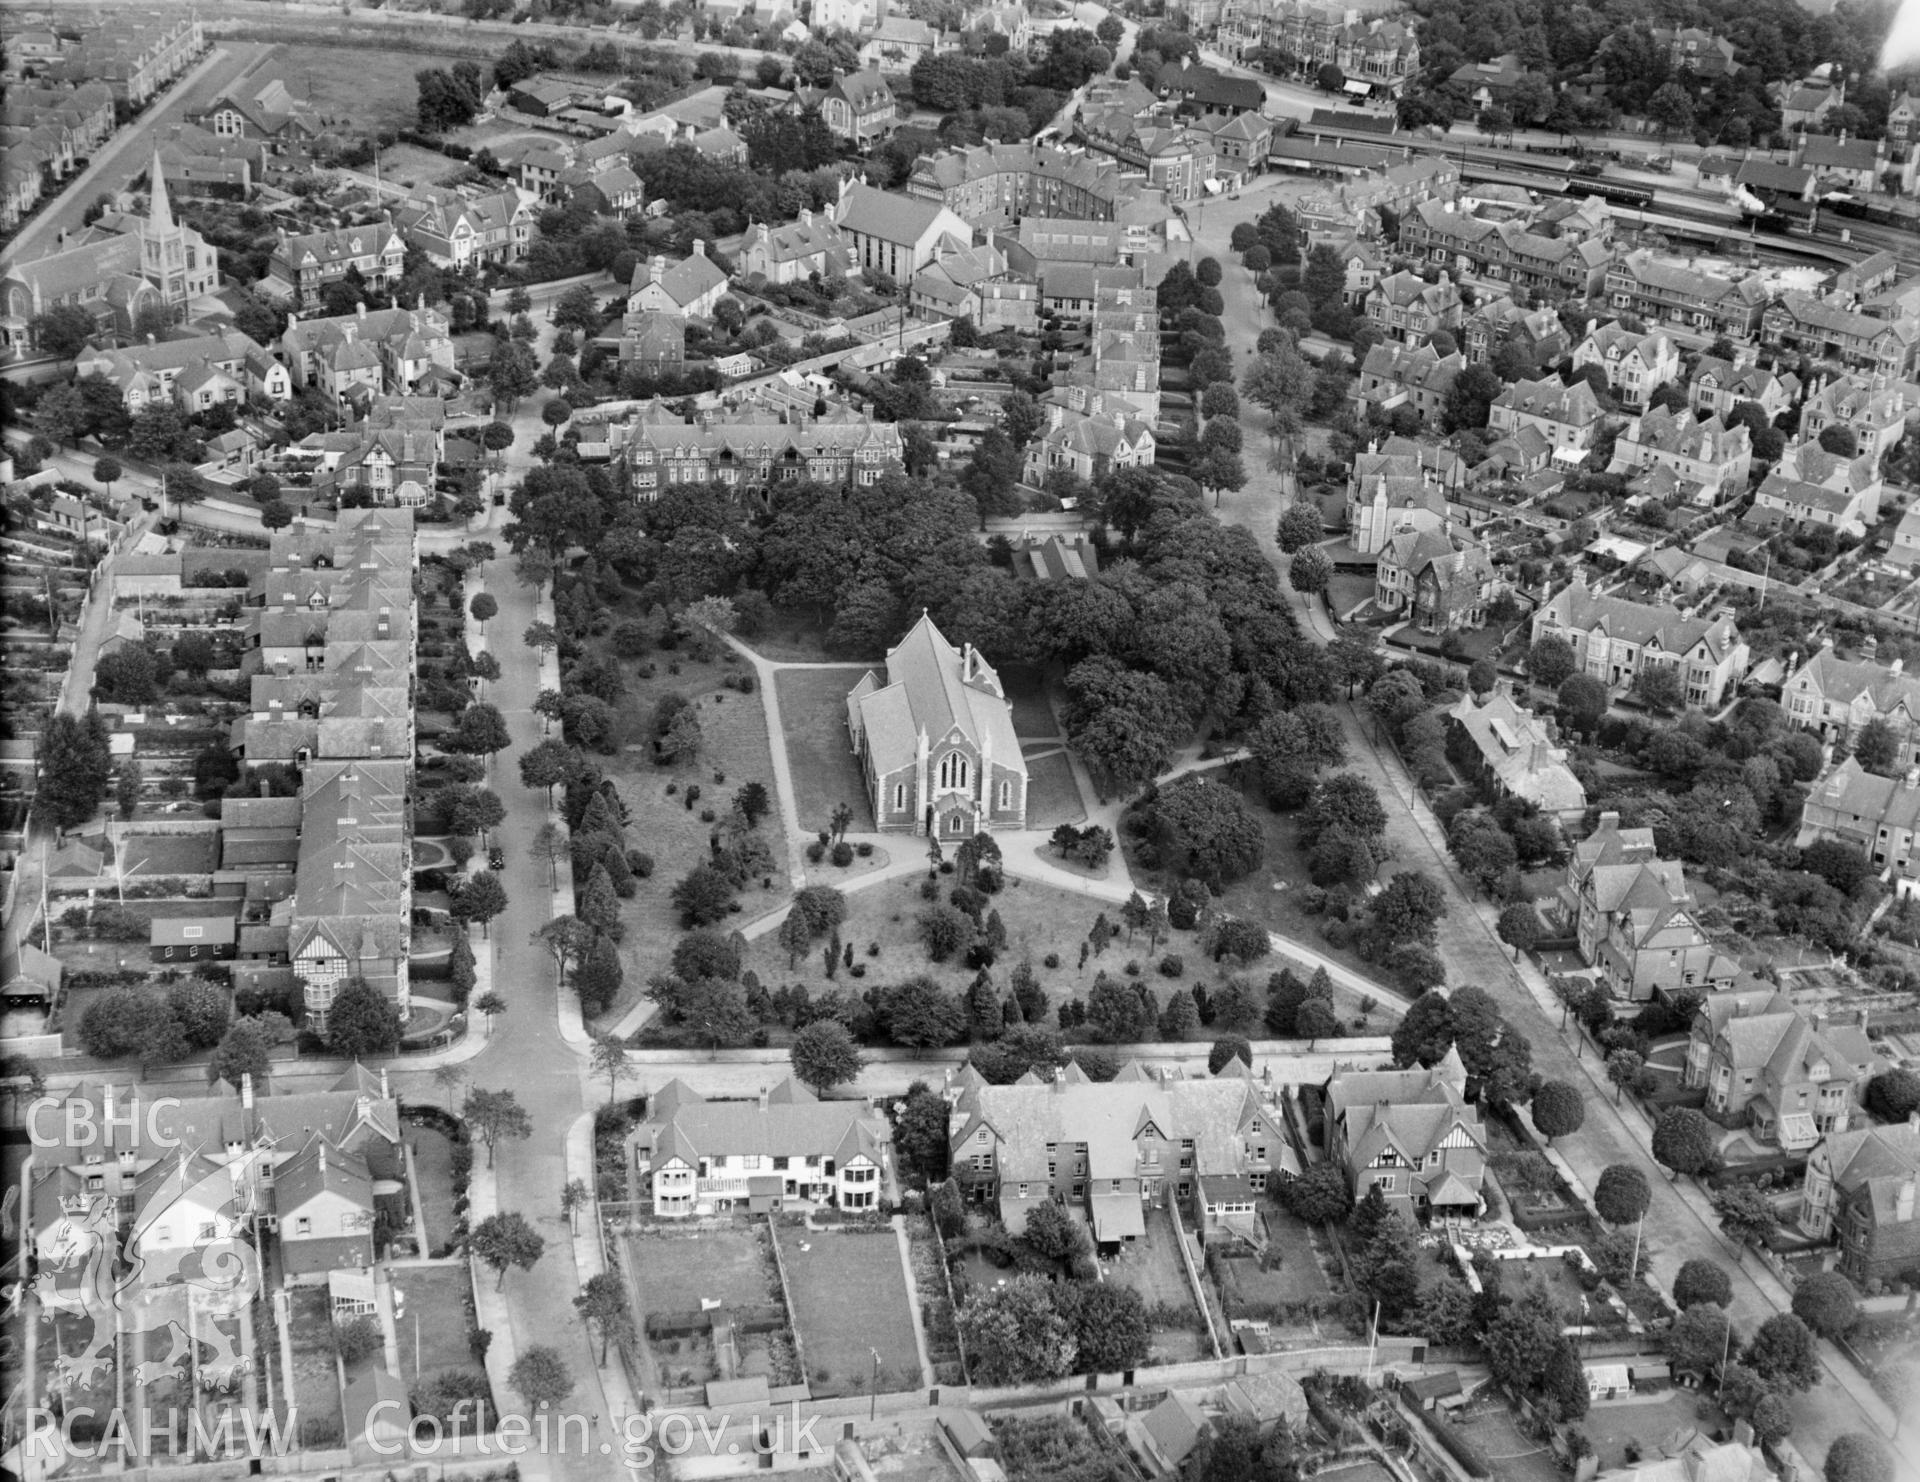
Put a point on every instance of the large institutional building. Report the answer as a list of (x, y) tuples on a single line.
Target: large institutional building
[(935, 740)]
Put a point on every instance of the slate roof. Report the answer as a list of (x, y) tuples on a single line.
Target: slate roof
[(1582, 610), (1517, 749), (890, 217), (689, 1127), (1108, 1117), (934, 687), (1845, 681), (1571, 406), (684, 281)]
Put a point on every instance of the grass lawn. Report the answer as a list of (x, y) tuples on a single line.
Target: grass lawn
[(409, 164), (316, 1380), (1513, 1457), (675, 1273), (1271, 897), (434, 1329), (433, 1166), (1301, 1274), (1037, 1448), (1611, 1425), (813, 713), (1053, 797), (850, 1298), (1152, 1267), (1552, 1273), (1039, 920), (372, 86), (734, 752)]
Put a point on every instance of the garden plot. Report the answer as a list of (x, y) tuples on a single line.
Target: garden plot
[(850, 1304), (675, 1274), (1152, 1266)]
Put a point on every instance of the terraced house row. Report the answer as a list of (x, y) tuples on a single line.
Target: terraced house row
[(329, 660)]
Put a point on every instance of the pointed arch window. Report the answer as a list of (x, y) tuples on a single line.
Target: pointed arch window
[(954, 770)]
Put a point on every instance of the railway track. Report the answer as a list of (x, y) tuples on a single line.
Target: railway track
[(1704, 220)]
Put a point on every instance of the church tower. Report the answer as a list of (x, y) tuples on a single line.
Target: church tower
[(163, 260)]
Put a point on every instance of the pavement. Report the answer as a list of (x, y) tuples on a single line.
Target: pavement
[(1681, 1224), (127, 154)]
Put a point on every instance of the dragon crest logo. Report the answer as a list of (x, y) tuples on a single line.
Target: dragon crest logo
[(180, 1288)]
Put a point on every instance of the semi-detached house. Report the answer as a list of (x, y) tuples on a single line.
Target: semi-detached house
[(1635, 364), (1709, 461), (693, 1156), (1635, 916), (1792, 1079), (1836, 697), (1816, 327), (1114, 1150), (1411, 1135), (1568, 417), (1860, 1191), (1880, 816), (1614, 639)]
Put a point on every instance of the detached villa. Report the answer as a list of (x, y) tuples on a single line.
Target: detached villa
[(1766, 1066), (936, 740)]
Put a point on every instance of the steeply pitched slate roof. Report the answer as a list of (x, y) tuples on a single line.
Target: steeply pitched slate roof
[(1518, 750), (1573, 406), (321, 1168), (934, 687), (1583, 610), (1843, 681), (1109, 1116), (690, 1128), (1852, 792), (890, 217), (1673, 430)]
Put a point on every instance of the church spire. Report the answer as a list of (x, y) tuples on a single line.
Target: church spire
[(159, 213)]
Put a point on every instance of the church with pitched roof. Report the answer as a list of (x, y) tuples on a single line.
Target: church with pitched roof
[(936, 741)]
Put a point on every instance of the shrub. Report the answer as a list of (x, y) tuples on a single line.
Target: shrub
[(843, 854), (816, 851), (865, 851), (1052, 960), (1171, 965)]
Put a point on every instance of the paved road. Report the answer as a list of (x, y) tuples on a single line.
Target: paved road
[(127, 154), (1679, 1225)]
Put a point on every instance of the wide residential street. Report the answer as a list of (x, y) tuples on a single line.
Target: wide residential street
[(1679, 1225), (125, 157)]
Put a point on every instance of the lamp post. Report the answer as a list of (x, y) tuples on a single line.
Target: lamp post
[(873, 1388)]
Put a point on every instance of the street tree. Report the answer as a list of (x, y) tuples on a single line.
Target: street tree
[(1746, 1214), (824, 1055), (1309, 571), (1621, 1194), (1558, 1110), (479, 897), (1858, 1457), (494, 1115), (540, 1376), (506, 1240), (1623, 1069), (1828, 1303), (603, 1301), (1684, 1140), (609, 1058), (1700, 1280), (1782, 1352), (449, 1078)]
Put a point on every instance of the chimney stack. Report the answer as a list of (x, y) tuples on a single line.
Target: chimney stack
[(246, 1090), (1904, 1200)]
